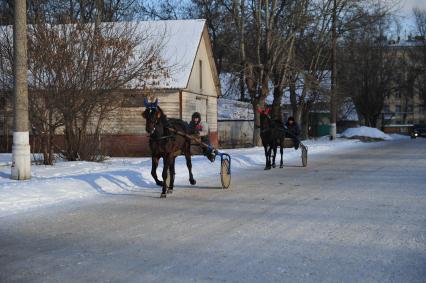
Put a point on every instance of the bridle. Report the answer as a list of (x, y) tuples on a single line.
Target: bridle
[(154, 120), (266, 114)]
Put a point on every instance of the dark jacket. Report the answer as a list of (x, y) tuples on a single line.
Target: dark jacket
[(293, 129)]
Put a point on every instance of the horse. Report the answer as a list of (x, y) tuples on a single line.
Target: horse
[(272, 136), (165, 143)]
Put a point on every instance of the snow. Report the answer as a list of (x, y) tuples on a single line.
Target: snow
[(66, 181), (180, 40), (234, 110), (366, 132), (399, 137)]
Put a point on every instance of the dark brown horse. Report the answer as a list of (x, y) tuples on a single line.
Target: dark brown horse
[(272, 135), (164, 143)]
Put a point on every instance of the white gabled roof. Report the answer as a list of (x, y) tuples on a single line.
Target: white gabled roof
[(180, 41)]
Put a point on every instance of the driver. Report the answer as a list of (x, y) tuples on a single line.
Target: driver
[(201, 129), (293, 131)]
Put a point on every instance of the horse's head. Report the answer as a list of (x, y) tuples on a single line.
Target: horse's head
[(152, 115), (265, 120)]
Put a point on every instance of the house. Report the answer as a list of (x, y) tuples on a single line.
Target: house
[(192, 86)]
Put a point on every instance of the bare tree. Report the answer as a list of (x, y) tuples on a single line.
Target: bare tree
[(418, 57), (293, 23), (6, 85), (369, 70), (80, 70), (77, 72), (6, 12)]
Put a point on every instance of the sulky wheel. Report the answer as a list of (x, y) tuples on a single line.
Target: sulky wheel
[(304, 156), (225, 173)]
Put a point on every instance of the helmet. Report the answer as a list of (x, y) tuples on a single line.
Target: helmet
[(291, 118), (196, 115)]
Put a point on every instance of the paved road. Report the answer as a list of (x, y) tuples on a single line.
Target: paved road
[(353, 217)]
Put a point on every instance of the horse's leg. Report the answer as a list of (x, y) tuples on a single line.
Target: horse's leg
[(172, 175), (189, 164), (275, 154), (282, 152), (155, 161), (268, 151), (265, 147), (166, 166), (269, 156)]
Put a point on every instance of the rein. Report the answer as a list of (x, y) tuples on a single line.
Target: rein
[(179, 133), (163, 137), (192, 138)]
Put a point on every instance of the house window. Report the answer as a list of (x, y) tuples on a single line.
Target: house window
[(200, 62), (410, 108), (398, 108)]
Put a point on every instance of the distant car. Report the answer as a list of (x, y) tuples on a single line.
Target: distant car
[(418, 130)]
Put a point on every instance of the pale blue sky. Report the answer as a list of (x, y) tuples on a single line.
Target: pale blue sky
[(408, 5), (406, 14)]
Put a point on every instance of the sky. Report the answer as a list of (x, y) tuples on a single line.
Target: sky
[(406, 12), (408, 5)]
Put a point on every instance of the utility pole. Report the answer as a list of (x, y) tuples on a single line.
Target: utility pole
[(21, 156), (333, 106)]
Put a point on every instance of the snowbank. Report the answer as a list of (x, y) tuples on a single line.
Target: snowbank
[(67, 181), (365, 132)]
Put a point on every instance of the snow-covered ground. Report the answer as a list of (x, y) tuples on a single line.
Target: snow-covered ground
[(73, 180)]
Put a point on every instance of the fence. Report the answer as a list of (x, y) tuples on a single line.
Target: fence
[(235, 133)]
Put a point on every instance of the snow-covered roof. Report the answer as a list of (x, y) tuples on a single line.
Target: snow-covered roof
[(229, 109), (180, 41)]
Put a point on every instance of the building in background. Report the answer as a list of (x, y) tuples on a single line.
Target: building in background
[(406, 106), (191, 85)]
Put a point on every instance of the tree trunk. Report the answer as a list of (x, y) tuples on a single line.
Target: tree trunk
[(242, 51), (305, 122), (257, 141), (294, 103), (333, 106), (276, 105)]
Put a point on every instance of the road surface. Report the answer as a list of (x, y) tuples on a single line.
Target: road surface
[(359, 216)]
